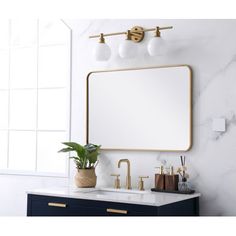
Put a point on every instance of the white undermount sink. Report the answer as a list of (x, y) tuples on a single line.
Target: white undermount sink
[(122, 190), (111, 191)]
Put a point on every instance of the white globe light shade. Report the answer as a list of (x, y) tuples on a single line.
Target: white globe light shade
[(128, 49), (156, 46), (102, 52)]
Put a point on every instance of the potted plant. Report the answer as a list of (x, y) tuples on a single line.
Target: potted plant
[(86, 161)]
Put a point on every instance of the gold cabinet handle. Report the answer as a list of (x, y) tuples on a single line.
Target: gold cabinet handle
[(110, 210), (55, 204)]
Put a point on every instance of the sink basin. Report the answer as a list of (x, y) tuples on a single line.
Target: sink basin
[(110, 193), (116, 192), (122, 190)]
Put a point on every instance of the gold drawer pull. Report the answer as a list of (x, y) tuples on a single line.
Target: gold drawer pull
[(55, 204), (110, 210)]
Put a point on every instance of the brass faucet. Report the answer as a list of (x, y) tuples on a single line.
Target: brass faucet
[(128, 177)]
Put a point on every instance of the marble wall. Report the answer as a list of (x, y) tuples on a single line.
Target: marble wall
[(209, 47)]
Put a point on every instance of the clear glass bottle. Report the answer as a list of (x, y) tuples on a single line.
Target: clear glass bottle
[(184, 186)]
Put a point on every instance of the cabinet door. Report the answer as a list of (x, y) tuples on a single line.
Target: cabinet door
[(57, 206), (188, 207), (48, 206)]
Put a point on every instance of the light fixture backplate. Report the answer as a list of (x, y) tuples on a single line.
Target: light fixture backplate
[(137, 34)]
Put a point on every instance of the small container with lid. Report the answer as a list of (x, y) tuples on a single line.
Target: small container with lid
[(160, 179), (171, 180)]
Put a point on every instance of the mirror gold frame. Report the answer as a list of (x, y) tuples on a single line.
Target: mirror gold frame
[(142, 68)]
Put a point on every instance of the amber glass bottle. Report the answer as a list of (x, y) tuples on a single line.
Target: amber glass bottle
[(171, 180), (160, 179)]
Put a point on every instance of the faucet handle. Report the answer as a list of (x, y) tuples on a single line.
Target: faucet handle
[(117, 181), (141, 183), (116, 175), (143, 177)]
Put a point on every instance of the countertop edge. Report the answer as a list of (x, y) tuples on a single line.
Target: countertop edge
[(86, 197)]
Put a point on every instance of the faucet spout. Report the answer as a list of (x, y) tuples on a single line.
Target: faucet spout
[(128, 177)]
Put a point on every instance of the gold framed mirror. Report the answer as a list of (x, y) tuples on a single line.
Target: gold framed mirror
[(140, 108)]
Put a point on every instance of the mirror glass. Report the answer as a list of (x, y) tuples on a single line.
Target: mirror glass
[(140, 109)]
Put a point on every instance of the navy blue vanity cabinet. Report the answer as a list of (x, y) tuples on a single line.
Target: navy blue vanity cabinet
[(40, 205)]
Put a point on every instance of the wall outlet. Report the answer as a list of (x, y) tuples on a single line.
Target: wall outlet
[(218, 125)]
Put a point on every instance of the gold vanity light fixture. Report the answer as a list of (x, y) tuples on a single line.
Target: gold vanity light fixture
[(127, 49)]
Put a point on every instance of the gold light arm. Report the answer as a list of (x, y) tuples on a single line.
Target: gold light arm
[(106, 35), (160, 28), (137, 32)]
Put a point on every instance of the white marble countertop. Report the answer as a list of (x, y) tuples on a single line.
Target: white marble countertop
[(111, 195)]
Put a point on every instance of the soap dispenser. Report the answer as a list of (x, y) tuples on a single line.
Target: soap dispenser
[(160, 179), (171, 180)]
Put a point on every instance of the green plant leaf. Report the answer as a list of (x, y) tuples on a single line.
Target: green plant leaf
[(75, 158), (86, 155), (92, 147), (72, 145), (69, 149), (76, 147), (92, 156)]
